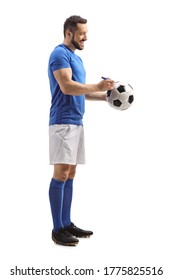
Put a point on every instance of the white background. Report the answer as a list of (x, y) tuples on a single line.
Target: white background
[(123, 193)]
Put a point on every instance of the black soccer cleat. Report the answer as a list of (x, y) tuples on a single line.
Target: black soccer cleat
[(63, 237), (78, 232)]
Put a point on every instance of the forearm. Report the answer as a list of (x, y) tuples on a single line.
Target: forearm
[(96, 96), (75, 88)]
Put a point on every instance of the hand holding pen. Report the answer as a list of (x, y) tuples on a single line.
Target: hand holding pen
[(106, 84)]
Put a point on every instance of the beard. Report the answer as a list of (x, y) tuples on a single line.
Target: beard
[(75, 44)]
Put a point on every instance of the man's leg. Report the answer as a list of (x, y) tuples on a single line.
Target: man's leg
[(68, 194), (56, 193), (56, 196)]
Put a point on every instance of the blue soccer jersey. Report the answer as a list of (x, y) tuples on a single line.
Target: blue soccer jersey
[(66, 109)]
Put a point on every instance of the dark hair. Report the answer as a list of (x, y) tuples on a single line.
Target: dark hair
[(71, 23)]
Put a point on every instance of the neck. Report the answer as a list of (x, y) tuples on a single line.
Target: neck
[(69, 45)]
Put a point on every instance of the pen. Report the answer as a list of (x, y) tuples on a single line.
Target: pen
[(104, 78)]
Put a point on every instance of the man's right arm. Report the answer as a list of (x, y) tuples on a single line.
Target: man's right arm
[(70, 87)]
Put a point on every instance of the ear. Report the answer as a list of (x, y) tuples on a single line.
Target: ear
[(69, 34)]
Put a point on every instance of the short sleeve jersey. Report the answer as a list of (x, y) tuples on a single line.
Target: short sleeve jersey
[(66, 109)]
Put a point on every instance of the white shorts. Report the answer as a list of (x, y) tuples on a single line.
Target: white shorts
[(66, 144)]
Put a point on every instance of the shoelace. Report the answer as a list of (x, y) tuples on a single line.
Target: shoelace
[(73, 226), (66, 233)]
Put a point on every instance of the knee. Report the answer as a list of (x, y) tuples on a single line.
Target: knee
[(61, 172), (63, 176), (72, 172)]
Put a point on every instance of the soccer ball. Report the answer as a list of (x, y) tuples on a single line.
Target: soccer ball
[(121, 97)]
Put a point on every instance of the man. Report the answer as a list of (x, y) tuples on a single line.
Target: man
[(66, 137)]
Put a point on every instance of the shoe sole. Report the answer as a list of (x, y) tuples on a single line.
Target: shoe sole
[(65, 244), (81, 236)]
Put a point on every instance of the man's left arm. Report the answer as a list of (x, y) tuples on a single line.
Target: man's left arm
[(96, 96)]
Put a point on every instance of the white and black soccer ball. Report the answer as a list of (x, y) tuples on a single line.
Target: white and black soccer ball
[(121, 97)]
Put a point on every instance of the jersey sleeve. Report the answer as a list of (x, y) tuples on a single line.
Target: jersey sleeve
[(59, 59)]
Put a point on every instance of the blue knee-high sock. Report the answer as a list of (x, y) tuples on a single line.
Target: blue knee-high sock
[(66, 210), (56, 194)]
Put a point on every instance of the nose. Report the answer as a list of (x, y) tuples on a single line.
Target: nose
[(85, 37)]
